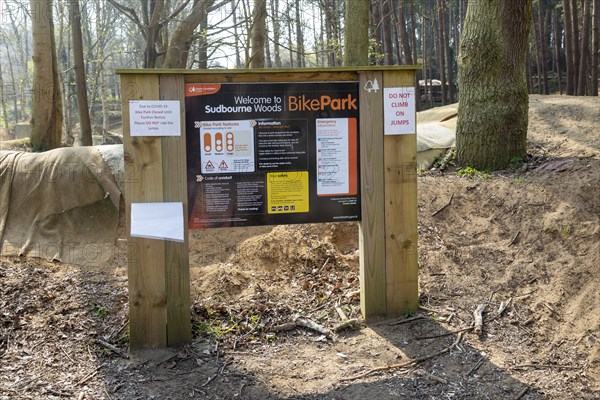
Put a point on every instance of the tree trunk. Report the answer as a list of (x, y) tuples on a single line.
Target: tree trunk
[(556, 47), (543, 47), (386, 26), (376, 32), (595, 47), (448, 56), (299, 36), (333, 31), (492, 113), (401, 27), (538, 58), (356, 35), (46, 108), (569, 47), (85, 127), (257, 34), (575, 43), (152, 33), (442, 51), (179, 45), (3, 101), (584, 54)]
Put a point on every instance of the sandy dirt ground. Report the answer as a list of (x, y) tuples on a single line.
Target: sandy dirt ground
[(526, 239)]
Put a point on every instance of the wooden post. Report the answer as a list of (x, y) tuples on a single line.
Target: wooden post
[(371, 238), (400, 176), (158, 271), (388, 229)]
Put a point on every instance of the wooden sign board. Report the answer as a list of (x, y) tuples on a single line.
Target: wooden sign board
[(156, 171)]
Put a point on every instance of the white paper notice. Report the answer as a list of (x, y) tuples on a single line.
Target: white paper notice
[(157, 221), (335, 163), (154, 118), (227, 146), (399, 110)]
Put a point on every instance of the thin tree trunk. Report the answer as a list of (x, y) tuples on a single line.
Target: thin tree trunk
[(14, 85), (375, 31), (542, 45), (152, 33), (85, 127), (442, 52), (450, 72), (236, 43), (556, 43), (386, 26), (406, 51), (575, 38), (3, 101), (538, 57), (595, 48), (585, 48), (299, 36), (276, 32), (569, 42)]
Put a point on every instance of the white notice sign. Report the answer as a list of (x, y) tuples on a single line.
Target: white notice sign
[(162, 221), (154, 118), (399, 110)]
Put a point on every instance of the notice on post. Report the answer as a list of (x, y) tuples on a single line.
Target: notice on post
[(399, 111), (336, 156), (155, 117)]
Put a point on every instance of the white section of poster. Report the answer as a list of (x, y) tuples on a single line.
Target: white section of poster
[(399, 111), (157, 221), (227, 146), (154, 118), (333, 176)]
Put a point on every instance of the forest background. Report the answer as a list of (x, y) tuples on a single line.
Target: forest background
[(92, 38)]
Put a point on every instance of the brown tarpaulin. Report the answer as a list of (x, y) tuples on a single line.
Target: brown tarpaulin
[(59, 205)]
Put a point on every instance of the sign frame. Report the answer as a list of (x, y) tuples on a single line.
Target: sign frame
[(155, 171)]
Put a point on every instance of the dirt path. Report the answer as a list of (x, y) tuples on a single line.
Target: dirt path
[(528, 237)]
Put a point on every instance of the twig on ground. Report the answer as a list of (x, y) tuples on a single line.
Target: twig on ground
[(288, 326), (552, 310), (475, 367), (522, 393), (57, 393), (406, 363), (88, 376), (345, 325), (112, 348), (514, 239), (545, 366), (444, 207), (341, 313), (433, 377), (407, 320), (478, 315), (504, 306), (307, 323)]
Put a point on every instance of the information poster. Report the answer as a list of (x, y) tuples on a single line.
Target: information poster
[(272, 153)]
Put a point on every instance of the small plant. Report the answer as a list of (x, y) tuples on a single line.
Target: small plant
[(518, 180), (99, 311), (471, 172), (566, 230), (516, 161)]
